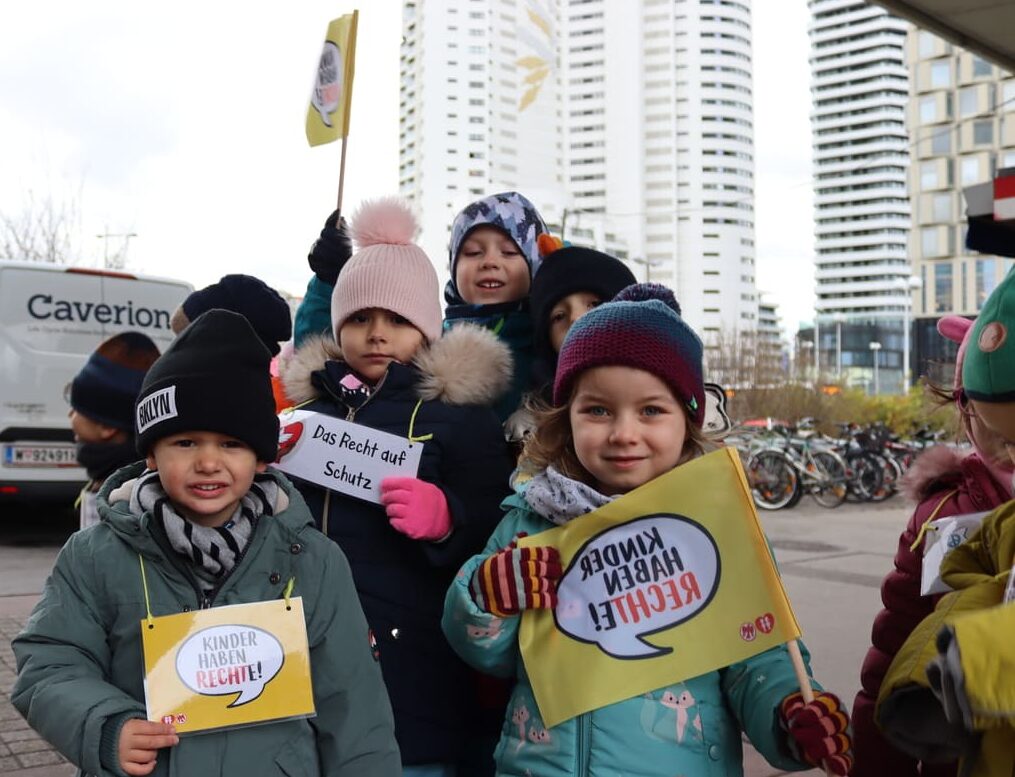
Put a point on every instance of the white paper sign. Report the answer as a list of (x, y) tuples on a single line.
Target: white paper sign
[(343, 456), (942, 536)]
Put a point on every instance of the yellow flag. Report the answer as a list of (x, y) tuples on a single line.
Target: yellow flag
[(673, 580), (331, 99)]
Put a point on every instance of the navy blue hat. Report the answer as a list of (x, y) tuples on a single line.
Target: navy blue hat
[(566, 271), (252, 298), (106, 387)]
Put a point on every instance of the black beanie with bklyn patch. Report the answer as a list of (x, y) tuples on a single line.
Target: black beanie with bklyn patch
[(213, 378)]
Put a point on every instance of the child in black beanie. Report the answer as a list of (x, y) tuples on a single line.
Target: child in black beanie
[(213, 527)]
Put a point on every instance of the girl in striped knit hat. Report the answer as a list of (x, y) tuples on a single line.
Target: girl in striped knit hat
[(629, 405)]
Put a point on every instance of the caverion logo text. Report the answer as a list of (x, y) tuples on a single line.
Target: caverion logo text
[(160, 406), (44, 307)]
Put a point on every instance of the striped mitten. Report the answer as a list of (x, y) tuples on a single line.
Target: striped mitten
[(516, 579), (819, 731)]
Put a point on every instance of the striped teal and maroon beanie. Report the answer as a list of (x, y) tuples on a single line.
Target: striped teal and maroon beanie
[(641, 327)]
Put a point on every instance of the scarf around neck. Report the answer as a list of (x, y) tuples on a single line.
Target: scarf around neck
[(213, 552), (559, 499)]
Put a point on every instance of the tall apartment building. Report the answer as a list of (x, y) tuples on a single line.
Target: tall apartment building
[(962, 126), (859, 86), (628, 122), (479, 108)]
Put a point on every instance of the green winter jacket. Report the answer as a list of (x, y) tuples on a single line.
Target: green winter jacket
[(80, 666), (689, 728)]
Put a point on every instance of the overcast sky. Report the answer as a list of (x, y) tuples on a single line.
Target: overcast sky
[(183, 122)]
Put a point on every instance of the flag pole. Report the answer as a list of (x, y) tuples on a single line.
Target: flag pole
[(793, 646), (351, 64), (341, 174)]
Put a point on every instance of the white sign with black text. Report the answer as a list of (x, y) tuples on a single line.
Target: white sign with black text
[(343, 456)]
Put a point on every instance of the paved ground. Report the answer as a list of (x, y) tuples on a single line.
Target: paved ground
[(832, 562)]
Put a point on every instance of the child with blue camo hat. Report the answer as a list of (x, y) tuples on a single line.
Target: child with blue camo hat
[(493, 257)]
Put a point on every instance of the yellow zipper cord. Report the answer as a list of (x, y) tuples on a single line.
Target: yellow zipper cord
[(412, 425), (933, 515), (144, 585), (288, 592), (297, 407)]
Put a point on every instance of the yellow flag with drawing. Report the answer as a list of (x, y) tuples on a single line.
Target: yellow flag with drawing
[(672, 580), (331, 99)]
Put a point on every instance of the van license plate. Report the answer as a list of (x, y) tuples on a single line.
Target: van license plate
[(40, 456)]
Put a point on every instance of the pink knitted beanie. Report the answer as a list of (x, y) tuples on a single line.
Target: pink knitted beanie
[(388, 270)]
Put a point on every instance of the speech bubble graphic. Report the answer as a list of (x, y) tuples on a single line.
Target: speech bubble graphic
[(629, 581), (227, 659), (328, 83)]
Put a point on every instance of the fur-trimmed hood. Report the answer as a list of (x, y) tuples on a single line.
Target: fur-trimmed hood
[(468, 365), (943, 466)]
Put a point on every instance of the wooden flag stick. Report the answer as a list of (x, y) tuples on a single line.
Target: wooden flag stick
[(804, 681), (341, 174)]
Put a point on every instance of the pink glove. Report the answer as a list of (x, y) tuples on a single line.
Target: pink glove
[(416, 508)]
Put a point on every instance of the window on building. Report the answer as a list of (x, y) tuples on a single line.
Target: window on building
[(943, 287), (986, 280), (927, 42), (970, 170), (929, 178), (1008, 93), (981, 68), (928, 109), (1008, 159), (942, 207), (930, 243), (941, 141), (983, 132), (967, 101), (941, 74)]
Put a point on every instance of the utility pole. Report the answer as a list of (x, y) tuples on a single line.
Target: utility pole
[(119, 259)]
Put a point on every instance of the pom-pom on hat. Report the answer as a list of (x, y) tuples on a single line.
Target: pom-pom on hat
[(107, 386), (566, 271), (388, 270), (510, 212), (251, 297), (957, 329), (212, 378), (641, 327)]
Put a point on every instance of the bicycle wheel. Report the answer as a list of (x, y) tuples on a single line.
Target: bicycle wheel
[(772, 478), (829, 484), (867, 475), (889, 478)]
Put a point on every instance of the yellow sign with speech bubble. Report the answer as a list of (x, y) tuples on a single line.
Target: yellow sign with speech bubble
[(229, 666), (670, 581)]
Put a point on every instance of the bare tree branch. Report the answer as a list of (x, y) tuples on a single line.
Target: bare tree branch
[(42, 231)]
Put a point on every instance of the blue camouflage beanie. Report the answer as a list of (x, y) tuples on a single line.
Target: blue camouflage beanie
[(508, 211)]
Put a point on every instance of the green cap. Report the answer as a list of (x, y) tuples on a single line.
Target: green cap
[(988, 374)]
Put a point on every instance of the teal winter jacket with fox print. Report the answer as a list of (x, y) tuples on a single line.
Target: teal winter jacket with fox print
[(689, 728)]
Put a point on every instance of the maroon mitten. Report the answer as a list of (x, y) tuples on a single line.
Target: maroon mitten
[(515, 579), (819, 731)]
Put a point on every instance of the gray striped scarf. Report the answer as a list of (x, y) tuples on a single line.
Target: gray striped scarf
[(211, 551)]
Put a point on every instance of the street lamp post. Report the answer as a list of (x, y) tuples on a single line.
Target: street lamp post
[(875, 350), (649, 264), (838, 345), (911, 284)]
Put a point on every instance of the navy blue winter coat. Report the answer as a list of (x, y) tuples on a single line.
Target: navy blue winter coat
[(402, 582)]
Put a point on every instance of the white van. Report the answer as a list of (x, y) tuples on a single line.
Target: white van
[(51, 318)]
